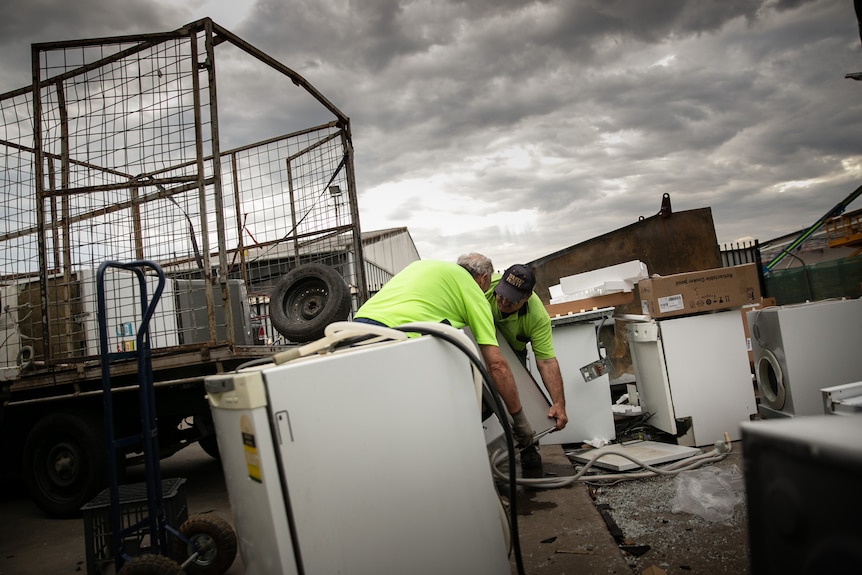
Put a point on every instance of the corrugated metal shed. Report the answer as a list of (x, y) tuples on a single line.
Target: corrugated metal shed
[(391, 248)]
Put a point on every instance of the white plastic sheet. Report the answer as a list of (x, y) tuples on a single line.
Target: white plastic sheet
[(709, 492)]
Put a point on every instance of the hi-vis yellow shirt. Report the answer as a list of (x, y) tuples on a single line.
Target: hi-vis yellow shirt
[(433, 291)]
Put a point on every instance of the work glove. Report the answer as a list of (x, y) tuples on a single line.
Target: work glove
[(522, 430)]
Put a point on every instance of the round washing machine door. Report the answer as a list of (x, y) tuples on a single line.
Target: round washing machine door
[(770, 380)]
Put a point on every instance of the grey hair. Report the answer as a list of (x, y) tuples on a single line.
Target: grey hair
[(476, 264)]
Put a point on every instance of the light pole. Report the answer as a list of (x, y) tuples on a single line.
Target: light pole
[(335, 192)]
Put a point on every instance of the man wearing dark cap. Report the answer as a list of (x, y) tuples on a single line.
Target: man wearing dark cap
[(522, 319)]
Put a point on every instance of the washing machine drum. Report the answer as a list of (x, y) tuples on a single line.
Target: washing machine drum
[(770, 380)]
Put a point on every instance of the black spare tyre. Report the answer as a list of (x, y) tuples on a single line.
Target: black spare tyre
[(306, 300)]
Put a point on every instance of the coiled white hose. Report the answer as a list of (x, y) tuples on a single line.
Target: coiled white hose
[(335, 333), (719, 451)]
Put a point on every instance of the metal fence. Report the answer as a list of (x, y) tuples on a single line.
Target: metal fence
[(115, 153), (839, 278), (740, 253)]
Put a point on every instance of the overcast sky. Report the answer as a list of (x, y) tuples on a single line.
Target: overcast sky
[(520, 128)]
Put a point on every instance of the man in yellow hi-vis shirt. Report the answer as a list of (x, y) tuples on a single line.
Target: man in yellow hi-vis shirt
[(522, 319)]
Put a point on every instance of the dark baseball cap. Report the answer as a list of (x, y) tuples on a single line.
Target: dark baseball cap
[(516, 284)]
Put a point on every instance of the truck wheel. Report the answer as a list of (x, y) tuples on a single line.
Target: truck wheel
[(64, 463), (151, 564), (215, 541), (210, 446), (306, 300)]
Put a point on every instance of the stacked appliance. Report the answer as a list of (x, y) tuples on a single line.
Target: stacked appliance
[(369, 459), (124, 311), (800, 349), (694, 367), (10, 339)]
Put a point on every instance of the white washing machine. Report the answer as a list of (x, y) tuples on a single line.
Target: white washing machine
[(800, 349)]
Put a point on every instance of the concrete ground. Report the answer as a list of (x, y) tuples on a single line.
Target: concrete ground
[(561, 530), (636, 531)]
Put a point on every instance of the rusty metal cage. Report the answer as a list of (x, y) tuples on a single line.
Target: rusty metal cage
[(117, 152)]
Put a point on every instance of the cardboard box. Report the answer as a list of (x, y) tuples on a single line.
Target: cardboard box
[(700, 291), (591, 303)]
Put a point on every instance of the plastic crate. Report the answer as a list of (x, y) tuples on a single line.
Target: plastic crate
[(133, 509)]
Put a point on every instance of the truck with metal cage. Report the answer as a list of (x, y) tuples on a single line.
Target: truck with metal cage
[(131, 148)]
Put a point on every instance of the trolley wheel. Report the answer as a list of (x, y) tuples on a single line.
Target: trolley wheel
[(64, 463), (307, 299), (151, 564), (215, 541)]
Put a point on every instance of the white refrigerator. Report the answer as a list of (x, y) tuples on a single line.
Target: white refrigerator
[(588, 403), (368, 460), (697, 368)]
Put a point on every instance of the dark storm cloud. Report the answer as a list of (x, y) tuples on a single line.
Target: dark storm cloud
[(37, 21), (498, 75), (366, 35), (45, 20), (560, 120), (647, 21)]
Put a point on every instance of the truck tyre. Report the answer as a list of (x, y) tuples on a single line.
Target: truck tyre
[(209, 444), (307, 299), (64, 464), (151, 564), (213, 538)]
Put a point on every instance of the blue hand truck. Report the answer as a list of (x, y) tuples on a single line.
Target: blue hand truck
[(203, 544)]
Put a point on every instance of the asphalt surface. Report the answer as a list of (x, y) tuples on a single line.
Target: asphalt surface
[(32, 544), (560, 530)]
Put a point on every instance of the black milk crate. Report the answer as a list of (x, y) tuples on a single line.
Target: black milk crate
[(133, 509)]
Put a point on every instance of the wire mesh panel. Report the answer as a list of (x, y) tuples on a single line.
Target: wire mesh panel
[(114, 154)]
